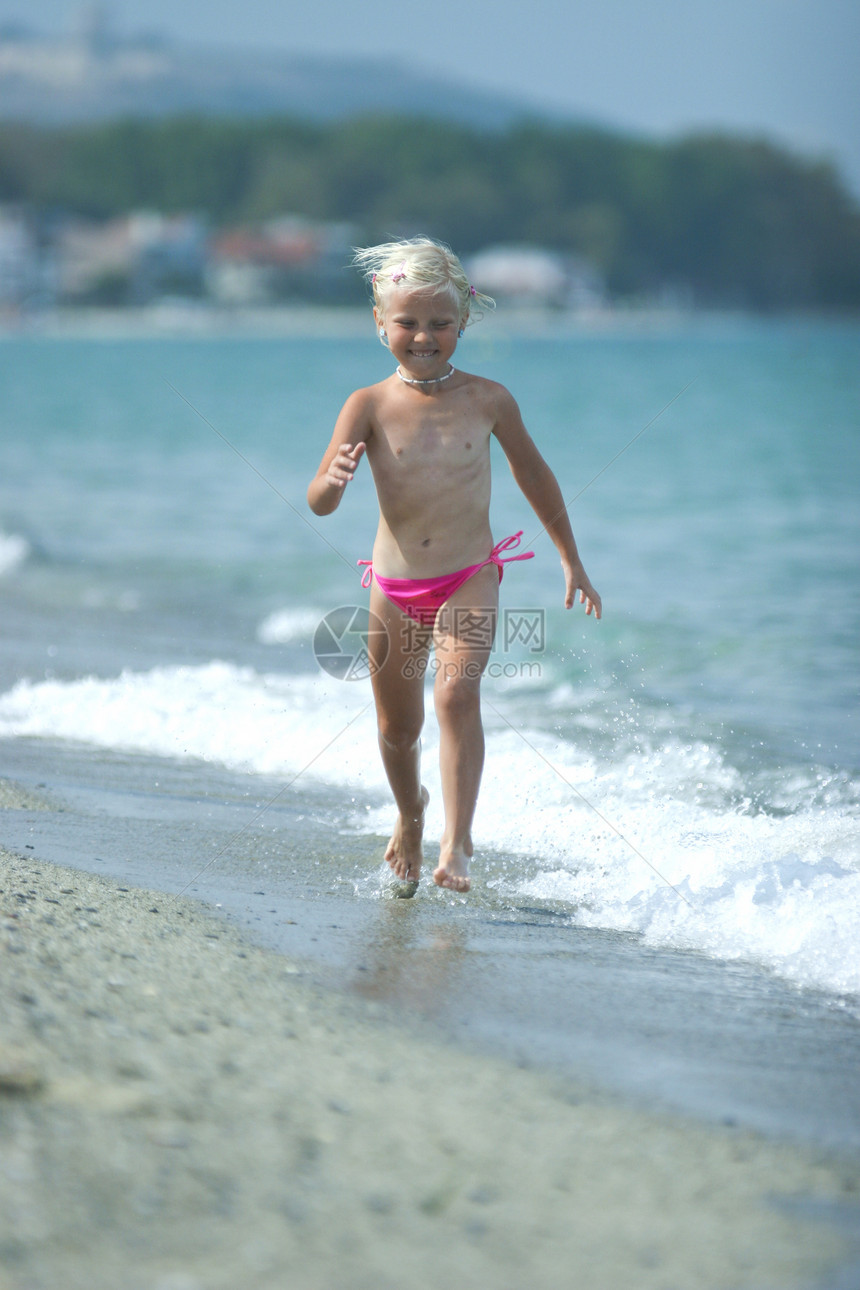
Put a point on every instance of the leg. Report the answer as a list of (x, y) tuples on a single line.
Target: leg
[(464, 635), (398, 688)]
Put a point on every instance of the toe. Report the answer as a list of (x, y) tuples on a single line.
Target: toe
[(451, 881)]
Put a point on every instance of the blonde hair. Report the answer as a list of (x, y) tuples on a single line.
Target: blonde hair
[(422, 264)]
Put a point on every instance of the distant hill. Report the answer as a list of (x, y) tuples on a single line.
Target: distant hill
[(96, 127), (93, 75)]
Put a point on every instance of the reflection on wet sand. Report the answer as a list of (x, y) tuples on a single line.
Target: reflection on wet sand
[(408, 963)]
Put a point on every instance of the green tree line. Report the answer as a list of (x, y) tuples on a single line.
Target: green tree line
[(733, 221)]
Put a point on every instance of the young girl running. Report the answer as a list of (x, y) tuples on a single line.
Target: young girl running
[(435, 572)]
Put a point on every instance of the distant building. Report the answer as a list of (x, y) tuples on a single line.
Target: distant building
[(530, 275), (20, 261), (94, 261), (132, 259), (172, 254), (283, 259)]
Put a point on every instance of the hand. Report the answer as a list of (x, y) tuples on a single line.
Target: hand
[(342, 466), (577, 581)]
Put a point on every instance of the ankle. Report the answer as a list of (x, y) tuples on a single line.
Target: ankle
[(414, 813), (456, 846)]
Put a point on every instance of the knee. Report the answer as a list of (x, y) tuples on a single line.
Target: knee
[(400, 736), (456, 697)]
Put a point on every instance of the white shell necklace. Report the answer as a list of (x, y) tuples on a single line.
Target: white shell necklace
[(430, 380)]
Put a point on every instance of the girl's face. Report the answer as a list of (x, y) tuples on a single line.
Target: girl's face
[(421, 330)]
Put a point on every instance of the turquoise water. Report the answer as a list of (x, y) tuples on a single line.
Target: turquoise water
[(160, 597)]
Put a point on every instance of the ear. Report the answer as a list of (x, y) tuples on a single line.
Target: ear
[(380, 327)]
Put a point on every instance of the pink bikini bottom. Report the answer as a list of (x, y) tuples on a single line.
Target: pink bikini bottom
[(422, 598)]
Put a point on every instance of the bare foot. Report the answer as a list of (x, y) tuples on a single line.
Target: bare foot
[(404, 853), (453, 869)]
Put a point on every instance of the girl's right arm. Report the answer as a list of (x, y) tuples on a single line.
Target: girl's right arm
[(348, 443)]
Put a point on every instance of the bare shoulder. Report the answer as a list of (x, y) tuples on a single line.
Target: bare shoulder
[(364, 400), (495, 398), (502, 410), (359, 412), (506, 422)]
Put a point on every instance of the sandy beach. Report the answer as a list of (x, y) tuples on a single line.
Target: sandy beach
[(183, 1110)]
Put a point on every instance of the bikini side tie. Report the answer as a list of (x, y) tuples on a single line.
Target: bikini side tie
[(495, 557)]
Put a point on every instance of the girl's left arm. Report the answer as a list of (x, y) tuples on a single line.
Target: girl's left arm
[(541, 490)]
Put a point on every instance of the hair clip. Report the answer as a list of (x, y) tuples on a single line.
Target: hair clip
[(472, 291), (373, 279), (399, 274)]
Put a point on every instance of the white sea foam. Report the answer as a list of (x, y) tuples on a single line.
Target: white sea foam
[(662, 840), (14, 550), (268, 724), (287, 625)]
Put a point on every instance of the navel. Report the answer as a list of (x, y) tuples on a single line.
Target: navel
[(426, 542), (468, 445)]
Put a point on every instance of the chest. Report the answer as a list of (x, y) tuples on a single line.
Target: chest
[(433, 439)]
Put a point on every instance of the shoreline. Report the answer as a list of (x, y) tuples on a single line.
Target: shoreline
[(181, 1107), (199, 321)]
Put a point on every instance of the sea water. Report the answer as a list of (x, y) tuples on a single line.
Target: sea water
[(686, 770)]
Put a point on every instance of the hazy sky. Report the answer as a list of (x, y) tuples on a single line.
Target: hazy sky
[(785, 68)]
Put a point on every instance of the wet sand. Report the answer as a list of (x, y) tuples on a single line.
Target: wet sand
[(183, 1110)]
